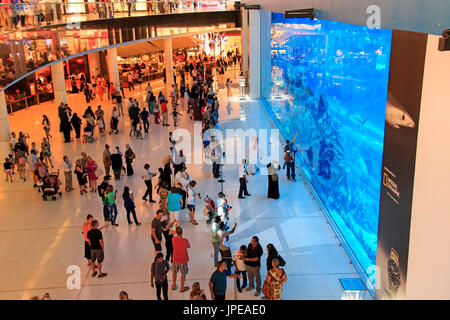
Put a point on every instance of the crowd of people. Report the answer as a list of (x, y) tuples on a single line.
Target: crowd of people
[(175, 187)]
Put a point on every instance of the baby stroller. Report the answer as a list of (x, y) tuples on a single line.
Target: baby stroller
[(50, 186), (88, 134), (210, 210)]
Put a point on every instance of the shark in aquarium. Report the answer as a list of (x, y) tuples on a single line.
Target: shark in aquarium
[(396, 114)]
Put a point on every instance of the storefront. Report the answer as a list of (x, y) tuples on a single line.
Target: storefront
[(151, 66)]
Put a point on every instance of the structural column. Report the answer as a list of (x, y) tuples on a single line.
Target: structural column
[(244, 39), (266, 56), (94, 64), (4, 126), (254, 53), (168, 62), (59, 83), (21, 57), (113, 68)]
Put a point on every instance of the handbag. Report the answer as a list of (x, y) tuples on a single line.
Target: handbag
[(266, 289)]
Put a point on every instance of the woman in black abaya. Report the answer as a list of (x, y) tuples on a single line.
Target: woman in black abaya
[(272, 169), (66, 127)]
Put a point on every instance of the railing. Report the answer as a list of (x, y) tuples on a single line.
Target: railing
[(25, 102), (19, 16), (26, 50)]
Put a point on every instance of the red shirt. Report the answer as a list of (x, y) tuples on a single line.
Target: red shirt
[(163, 107), (180, 246)]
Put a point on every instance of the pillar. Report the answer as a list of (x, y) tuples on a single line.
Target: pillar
[(21, 57), (4, 126), (59, 83), (244, 39), (266, 56), (168, 62), (15, 59), (113, 68), (254, 53), (94, 64)]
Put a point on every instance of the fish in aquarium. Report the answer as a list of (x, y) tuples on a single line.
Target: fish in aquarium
[(396, 114)]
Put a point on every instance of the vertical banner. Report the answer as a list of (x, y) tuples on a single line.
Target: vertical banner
[(400, 141)]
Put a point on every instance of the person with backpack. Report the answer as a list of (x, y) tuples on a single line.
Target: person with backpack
[(289, 159)]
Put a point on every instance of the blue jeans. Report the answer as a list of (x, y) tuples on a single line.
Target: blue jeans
[(113, 212), (290, 170), (106, 213)]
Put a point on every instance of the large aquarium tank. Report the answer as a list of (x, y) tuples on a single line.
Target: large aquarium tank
[(329, 88)]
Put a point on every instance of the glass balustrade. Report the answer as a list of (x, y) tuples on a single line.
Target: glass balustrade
[(39, 33)]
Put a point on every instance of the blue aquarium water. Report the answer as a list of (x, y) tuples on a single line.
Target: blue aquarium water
[(329, 85)]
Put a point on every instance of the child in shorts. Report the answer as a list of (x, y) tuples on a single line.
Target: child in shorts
[(7, 169)]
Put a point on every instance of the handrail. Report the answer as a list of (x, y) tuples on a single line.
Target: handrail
[(27, 101), (53, 13)]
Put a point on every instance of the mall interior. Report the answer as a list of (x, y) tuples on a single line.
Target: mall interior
[(359, 88)]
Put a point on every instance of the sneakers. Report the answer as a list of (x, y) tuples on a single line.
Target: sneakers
[(138, 224), (152, 201), (101, 275), (94, 274), (241, 197)]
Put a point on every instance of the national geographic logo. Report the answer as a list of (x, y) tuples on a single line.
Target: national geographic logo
[(389, 182)]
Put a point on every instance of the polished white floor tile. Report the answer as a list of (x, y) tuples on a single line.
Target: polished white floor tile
[(39, 240)]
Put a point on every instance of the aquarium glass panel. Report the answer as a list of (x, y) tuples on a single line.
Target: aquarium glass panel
[(329, 87)]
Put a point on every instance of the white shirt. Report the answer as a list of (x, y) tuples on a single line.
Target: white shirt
[(183, 180), (207, 135), (216, 152), (147, 175), (116, 114), (66, 166), (175, 157), (221, 209), (242, 171), (190, 200), (224, 243), (238, 257)]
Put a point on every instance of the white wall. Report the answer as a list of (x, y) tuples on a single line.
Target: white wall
[(428, 274)]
